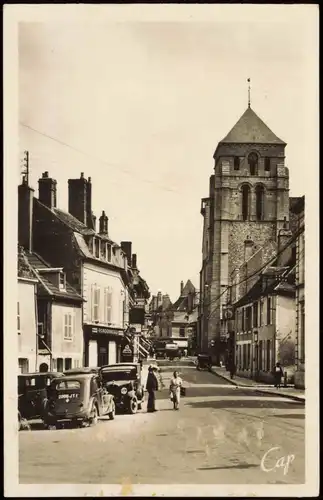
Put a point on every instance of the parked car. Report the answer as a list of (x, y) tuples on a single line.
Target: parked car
[(81, 370), (78, 398), (32, 394), (123, 381)]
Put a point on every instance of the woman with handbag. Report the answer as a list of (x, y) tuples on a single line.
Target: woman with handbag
[(175, 390)]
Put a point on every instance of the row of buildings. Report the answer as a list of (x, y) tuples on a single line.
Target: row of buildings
[(80, 294), (178, 320), (252, 307)]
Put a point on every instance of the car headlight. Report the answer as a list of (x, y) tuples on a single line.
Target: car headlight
[(124, 390)]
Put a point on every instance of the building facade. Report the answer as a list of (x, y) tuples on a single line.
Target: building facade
[(247, 206), (300, 297)]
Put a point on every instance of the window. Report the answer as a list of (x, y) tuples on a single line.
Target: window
[(261, 319), (18, 318), (68, 384), (242, 320), (103, 247), (182, 332), (109, 253), (236, 163), (253, 163), (62, 281), (244, 356), (107, 305), (260, 202), (60, 365), (23, 365), (267, 164), (255, 314), (68, 363), (248, 318), (68, 326), (260, 355), (95, 303), (268, 348), (268, 310), (245, 201), (97, 247), (248, 356)]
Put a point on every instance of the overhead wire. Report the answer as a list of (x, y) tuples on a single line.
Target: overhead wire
[(267, 263)]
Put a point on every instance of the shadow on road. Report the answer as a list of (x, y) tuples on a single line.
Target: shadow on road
[(247, 403), (238, 466), (300, 416)]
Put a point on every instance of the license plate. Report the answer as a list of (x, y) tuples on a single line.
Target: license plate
[(68, 397)]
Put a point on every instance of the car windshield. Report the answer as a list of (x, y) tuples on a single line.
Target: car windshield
[(67, 384), (119, 374)]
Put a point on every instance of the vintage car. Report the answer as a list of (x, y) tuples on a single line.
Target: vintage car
[(78, 398), (123, 380), (81, 370), (204, 362), (32, 394)]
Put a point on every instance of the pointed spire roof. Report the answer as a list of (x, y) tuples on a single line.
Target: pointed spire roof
[(250, 128)]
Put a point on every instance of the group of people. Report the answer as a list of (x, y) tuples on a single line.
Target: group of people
[(152, 386)]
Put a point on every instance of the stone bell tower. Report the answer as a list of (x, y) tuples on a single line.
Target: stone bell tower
[(248, 202)]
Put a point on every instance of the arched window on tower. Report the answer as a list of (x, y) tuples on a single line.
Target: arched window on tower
[(253, 163), (245, 190), (260, 195)]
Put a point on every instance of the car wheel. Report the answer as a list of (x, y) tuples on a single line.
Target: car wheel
[(94, 416), (112, 413), (133, 408)]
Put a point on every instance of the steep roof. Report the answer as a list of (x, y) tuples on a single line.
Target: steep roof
[(46, 287), (189, 287), (251, 129)]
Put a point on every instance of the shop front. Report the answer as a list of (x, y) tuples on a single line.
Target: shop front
[(102, 345)]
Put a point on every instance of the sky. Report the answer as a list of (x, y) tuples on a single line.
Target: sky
[(140, 107)]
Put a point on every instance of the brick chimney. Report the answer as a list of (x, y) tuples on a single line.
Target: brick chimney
[(127, 248), (47, 190), (77, 198), (25, 215), (134, 261), (182, 287), (103, 224)]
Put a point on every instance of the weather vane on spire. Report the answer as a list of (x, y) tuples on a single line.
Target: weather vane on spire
[(248, 92)]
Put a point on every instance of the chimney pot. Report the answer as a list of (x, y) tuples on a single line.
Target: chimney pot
[(45, 175), (82, 175), (89, 179)]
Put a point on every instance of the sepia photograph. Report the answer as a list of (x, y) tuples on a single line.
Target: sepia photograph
[(161, 217)]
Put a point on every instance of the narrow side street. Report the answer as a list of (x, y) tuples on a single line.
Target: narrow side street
[(220, 435)]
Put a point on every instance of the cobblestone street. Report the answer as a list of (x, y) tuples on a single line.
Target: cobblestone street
[(220, 435)]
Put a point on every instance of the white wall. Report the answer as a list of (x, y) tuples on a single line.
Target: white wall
[(285, 317), (104, 279), (67, 348), (28, 329)]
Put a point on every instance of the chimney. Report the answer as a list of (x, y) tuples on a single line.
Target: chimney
[(284, 235), (78, 198), (91, 219), (103, 223), (127, 248), (134, 261), (25, 215), (248, 248), (182, 287), (47, 190), (159, 299)]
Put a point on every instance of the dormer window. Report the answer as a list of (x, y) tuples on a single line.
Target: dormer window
[(103, 250), (109, 252), (62, 281), (97, 248)]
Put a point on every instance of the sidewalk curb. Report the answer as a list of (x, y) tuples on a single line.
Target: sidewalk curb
[(260, 391)]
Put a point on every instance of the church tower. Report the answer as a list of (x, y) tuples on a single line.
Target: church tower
[(248, 204)]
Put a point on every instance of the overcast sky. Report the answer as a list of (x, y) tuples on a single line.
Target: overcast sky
[(142, 107)]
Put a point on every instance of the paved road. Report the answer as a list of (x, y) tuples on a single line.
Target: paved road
[(219, 436)]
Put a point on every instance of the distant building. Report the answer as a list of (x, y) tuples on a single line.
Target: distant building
[(185, 313), (160, 315)]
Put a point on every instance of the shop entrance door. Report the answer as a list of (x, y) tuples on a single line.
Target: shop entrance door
[(103, 356)]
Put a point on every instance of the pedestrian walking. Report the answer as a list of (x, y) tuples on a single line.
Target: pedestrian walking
[(278, 374), (152, 387), (232, 369), (175, 389), (185, 353)]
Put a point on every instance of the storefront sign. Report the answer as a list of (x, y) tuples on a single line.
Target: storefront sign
[(127, 350), (91, 329)]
